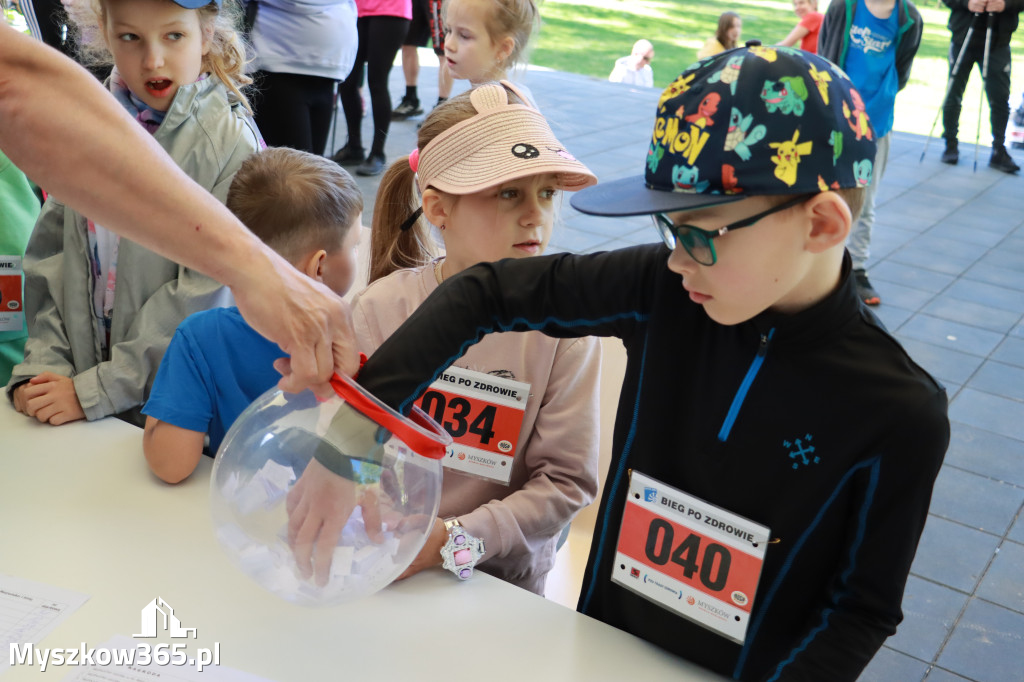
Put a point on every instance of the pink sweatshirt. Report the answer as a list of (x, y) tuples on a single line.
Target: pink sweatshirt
[(554, 474)]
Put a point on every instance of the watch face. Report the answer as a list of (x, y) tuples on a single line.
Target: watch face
[(463, 555)]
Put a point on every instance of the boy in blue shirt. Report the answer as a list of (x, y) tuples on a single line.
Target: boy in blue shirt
[(874, 41), (306, 208)]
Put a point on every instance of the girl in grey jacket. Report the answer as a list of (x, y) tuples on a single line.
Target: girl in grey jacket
[(101, 310)]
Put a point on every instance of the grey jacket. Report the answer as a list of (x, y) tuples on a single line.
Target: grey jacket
[(834, 36), (208, 138)]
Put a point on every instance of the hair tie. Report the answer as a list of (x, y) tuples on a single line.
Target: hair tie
[(414, 159), (411, 220)]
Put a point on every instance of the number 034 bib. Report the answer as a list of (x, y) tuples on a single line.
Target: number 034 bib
[(483, 414), (689, 556)]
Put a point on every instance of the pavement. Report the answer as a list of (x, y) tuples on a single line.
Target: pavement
[(948, 260)]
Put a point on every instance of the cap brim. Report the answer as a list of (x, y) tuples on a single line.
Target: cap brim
[(631, 196)]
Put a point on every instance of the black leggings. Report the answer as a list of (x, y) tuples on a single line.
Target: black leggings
[(293, 110), (380, 39), (997, 88)]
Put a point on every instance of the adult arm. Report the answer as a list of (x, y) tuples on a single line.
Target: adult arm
[(863, 607), (135, 189)]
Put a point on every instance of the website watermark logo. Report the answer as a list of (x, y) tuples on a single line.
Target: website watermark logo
[(157, 618), (151, 621)]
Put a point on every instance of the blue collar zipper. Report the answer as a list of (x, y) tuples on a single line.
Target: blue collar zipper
[(741, 394)]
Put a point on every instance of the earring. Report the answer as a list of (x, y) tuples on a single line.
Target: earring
[(442, 228)]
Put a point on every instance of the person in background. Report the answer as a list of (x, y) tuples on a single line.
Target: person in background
[(485, 39), (806, 30), (1003, 16), (382, 26), (635, 68), (726, 37), (93, 355), (874, 41), (302, 50), (308, 210), (427, 26)]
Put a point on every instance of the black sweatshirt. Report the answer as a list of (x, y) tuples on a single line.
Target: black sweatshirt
[(714, 411)]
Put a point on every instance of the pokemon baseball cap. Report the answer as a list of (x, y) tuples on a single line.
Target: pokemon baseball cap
[(746, 122)]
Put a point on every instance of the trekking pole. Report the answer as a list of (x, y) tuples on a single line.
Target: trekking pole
[(334, 120), (949, 82), (984, 83)]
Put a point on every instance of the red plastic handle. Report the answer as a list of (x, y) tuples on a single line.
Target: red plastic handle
[(429, 440)]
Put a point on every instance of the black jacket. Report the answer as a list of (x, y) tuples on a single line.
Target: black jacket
[(713, 410), (1003, 26)]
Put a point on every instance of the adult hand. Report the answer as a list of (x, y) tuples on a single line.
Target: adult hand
[(318, 506), (976, 6), (306, 319), (50, 398), (995, 6), (147, 198), (430, 553)]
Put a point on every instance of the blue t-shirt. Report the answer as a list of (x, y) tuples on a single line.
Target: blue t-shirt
[(215, 365), (871, 64)]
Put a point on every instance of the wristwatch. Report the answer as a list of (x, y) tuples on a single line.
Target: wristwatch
[(462, 551)]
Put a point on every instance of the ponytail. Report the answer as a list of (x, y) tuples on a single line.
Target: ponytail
[(391, 247)]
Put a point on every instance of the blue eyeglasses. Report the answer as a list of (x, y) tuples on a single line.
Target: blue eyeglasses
[(700, 243)]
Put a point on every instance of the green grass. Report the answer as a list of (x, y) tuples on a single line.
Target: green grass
[(587, 36)]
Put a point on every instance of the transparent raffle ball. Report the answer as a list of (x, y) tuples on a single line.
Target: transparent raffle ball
[(382, 472)]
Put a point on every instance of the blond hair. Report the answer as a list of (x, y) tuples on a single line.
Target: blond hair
[(225, 58), (294, 201), (514, 19), (854, 198), (392, 247)]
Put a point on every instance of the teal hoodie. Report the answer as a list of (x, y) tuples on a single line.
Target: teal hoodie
[(21, 207)]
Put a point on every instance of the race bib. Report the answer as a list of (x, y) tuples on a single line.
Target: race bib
[(483, 415), (12, 313), (689, 556)]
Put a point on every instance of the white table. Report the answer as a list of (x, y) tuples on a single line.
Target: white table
[(80, 510)]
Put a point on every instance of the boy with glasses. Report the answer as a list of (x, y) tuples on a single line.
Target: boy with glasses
[(775, 448)]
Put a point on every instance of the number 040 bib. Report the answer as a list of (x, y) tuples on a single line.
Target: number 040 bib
[(483, 415), (689, 556)]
